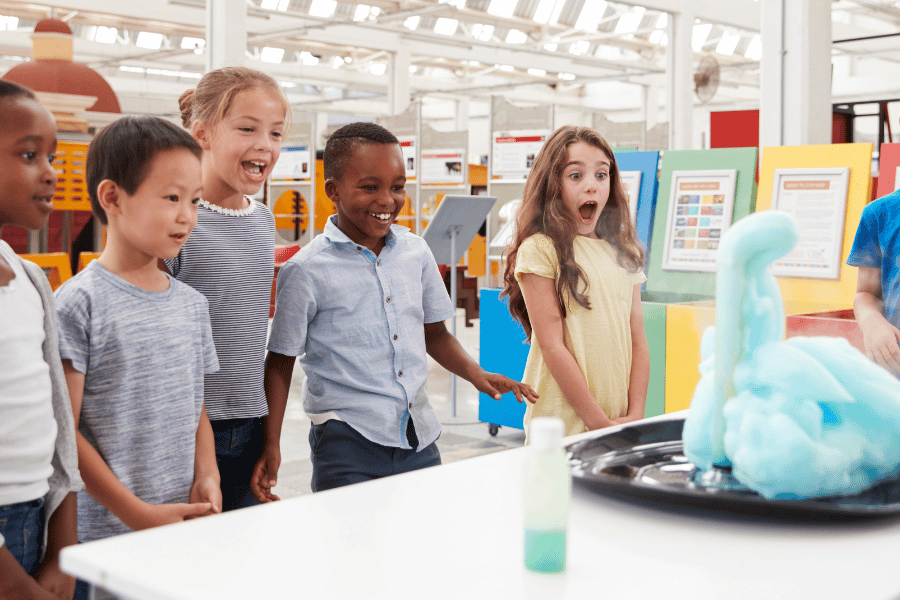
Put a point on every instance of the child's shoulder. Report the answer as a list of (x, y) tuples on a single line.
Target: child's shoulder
[(538, 242), (888, 203)]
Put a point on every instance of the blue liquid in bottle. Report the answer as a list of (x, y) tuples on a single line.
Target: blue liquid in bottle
[(545, 550)]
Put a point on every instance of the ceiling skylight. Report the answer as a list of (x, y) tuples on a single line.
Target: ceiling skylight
[(322, 8), (516, 37), (728, 43), (308, 59), (482, 32), (412, 22), (590, 15), (700, 34), (271, 55), (502, 8), (195, 44), (148, 40), (628, 23), (105, 35), (8, 23), (445, 26), (754, 50)]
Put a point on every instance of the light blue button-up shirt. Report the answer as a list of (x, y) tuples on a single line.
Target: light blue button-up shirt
[(356, 323)]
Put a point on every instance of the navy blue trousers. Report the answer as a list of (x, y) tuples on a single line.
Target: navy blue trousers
[(342, 456)]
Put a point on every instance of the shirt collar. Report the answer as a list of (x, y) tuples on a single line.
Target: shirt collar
[(336, 236)]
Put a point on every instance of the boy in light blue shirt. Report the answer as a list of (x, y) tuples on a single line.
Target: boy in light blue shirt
[(360, 307)]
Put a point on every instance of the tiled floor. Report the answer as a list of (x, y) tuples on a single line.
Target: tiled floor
[(463, 436)]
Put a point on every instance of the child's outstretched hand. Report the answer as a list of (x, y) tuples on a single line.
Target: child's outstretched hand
[(495, 385), (165, 514)]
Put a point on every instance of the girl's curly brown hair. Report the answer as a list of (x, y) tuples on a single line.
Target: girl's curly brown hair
[(543, 211)]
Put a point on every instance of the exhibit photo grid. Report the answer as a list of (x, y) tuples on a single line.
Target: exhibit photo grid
[(817, 199), (293, 164), (701, 205), (443, 166)]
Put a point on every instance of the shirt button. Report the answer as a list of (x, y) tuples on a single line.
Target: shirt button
[(359, 247), (395, 336), (388, 298), (400, 374), (377, 263), (410, 404)]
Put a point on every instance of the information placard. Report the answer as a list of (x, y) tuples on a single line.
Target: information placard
[(443, 166), (701, 207), (817, 199), (293, 164), (514, 153), (408, 147), (631, 181)]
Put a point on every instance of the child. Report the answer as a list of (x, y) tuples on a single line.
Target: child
[(136, 343), (360, 306), (875, 251), (238, 117), (573, 277), (38, 462)]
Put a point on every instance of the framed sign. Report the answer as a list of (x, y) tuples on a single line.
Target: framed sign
[(408, 147), (631, 181), (817, 199), (443, 166), (701, 207), (293, 164), (514, 153)]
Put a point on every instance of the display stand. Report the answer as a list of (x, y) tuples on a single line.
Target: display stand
[(291, 193), (678, 305), (449, 233), (517, 134), (646, 163), (407, 127)]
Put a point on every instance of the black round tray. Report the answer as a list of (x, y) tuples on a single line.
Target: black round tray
[(645, 462)]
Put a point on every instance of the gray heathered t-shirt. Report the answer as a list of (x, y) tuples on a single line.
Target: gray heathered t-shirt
[(144, 355)]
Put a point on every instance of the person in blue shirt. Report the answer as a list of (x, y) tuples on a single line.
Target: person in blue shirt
[(876, 251), (360, 306)]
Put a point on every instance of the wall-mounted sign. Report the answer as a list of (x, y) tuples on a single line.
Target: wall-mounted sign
[(631, 181), (408, 147), (443, 166), (817, 199), (514, 153), (292, 165), (701, 207)]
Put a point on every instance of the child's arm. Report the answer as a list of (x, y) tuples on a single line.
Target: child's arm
[(207, 485), (880, 338), (101, 483), (640, 362), (62, 531), (16, 584), (277, 382), (548, 329), (449, 353)]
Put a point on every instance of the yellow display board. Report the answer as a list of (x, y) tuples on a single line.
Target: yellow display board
[(71, 189), (55, 264), (685, 324), (838, 293)]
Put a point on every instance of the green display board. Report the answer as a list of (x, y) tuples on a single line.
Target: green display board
[(696, 284)]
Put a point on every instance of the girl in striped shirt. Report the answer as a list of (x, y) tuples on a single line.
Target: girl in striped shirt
[(238, 116)]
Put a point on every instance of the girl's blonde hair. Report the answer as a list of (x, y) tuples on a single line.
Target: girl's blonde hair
[(215, 93), (543, 211)]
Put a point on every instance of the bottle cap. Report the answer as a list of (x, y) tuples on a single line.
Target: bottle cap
[(545, 433)]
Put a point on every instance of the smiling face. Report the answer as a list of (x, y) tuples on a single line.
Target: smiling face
[(27, 177), (585, 185), (157, 219), (244, 145), (370, 193)]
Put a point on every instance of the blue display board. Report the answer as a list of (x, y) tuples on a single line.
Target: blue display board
[(502, 350), (647, 163)]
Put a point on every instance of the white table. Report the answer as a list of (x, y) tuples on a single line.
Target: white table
[(456, 532)]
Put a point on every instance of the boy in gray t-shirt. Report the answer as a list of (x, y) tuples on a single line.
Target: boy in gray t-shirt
[(136, 343)]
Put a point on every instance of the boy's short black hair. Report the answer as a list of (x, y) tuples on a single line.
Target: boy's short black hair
[(339, 147), (123, 150), (10, 91)]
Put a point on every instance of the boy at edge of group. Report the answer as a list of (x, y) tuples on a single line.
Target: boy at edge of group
[(360, 306), (876, 306), (136, 342)]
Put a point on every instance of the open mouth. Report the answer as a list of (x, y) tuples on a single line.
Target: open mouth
[(587, 211), (383, 217), (254, 168), (46, 202)]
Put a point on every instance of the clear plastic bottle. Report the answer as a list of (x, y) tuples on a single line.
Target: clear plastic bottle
[(548, 493)]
